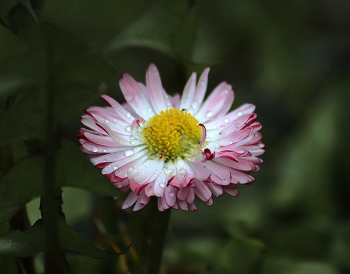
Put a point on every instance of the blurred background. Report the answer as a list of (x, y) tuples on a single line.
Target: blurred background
[(289, 58)]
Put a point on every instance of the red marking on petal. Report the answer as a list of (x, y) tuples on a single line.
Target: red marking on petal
[(161, 154), (204, 136)]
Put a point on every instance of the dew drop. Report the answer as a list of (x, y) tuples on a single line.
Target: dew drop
[(129, 152), (126, 175), (131, 169), (168, 104), (115, 167), (115, 158), (128, 115), (209, 114), (213, 127), (106, 121), (94, 149), (139, 174), (146, 165), (240, 113), (115, 120), (132, 142), (128, 129), (195, 104), (227, 120), (162, 185), (129, 96), (171, 194), (231, 143), (207, 139), (156, 172), (149, 109), (202, 83), (104, 151), (156, 73), (109, 166)]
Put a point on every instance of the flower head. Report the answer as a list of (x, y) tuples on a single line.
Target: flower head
[(174, 148)]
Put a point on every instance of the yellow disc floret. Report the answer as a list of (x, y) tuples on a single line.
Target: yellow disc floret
[(171, 134)]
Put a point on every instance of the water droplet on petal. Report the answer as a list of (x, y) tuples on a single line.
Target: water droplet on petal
[(202, 83), (131, 169), (156, 171), (129, 152), (162, 185), (171, 194), (128, 115), (129, 96), (149, 109), (94, 149), (106, 121), (115, 158), (132, 142), (146, 165), (231, 143), (227, 120), (139, 174), (213, 127), (209, 114), (195, 104), (128, 129), (240, 113), (104, 150), (156, 73), (168, 104)]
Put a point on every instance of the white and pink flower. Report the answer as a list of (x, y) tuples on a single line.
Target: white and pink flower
[(173, 148)]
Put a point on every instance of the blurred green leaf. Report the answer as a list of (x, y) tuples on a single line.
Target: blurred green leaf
[(23, 244), (30, 241), (242, 253), (25, 118), (75, 169), (283, 265), (9, 85), (72, 240), (304, 179), (20, 185), (153, 29)]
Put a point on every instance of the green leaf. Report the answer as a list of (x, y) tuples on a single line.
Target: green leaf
[(9, 85), (153, 29), (285, 265), (25, 118), (23, 244), (242, 253), (20, 185), (75, 169), (31, 241), (184, 38), (72, 240)]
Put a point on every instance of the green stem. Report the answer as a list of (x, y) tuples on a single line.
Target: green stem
[(158, 239), (51, 201)]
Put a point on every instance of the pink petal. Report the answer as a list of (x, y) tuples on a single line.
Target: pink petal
[(155, 87)]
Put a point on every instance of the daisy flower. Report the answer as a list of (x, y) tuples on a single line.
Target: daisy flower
[(171, 147)]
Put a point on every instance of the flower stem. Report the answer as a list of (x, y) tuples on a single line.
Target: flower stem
[(51, 201), (158, 240)]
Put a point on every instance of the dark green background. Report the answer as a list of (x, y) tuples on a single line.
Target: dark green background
[(289, 58)]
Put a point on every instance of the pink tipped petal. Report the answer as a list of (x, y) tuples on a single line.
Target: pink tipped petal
[(130, 200), (183, 205), (189, 92), (154, 85), (202, 191), (200, 92), (118, 108)]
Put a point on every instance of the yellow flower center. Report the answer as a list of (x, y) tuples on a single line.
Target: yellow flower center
[(171, 134)]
